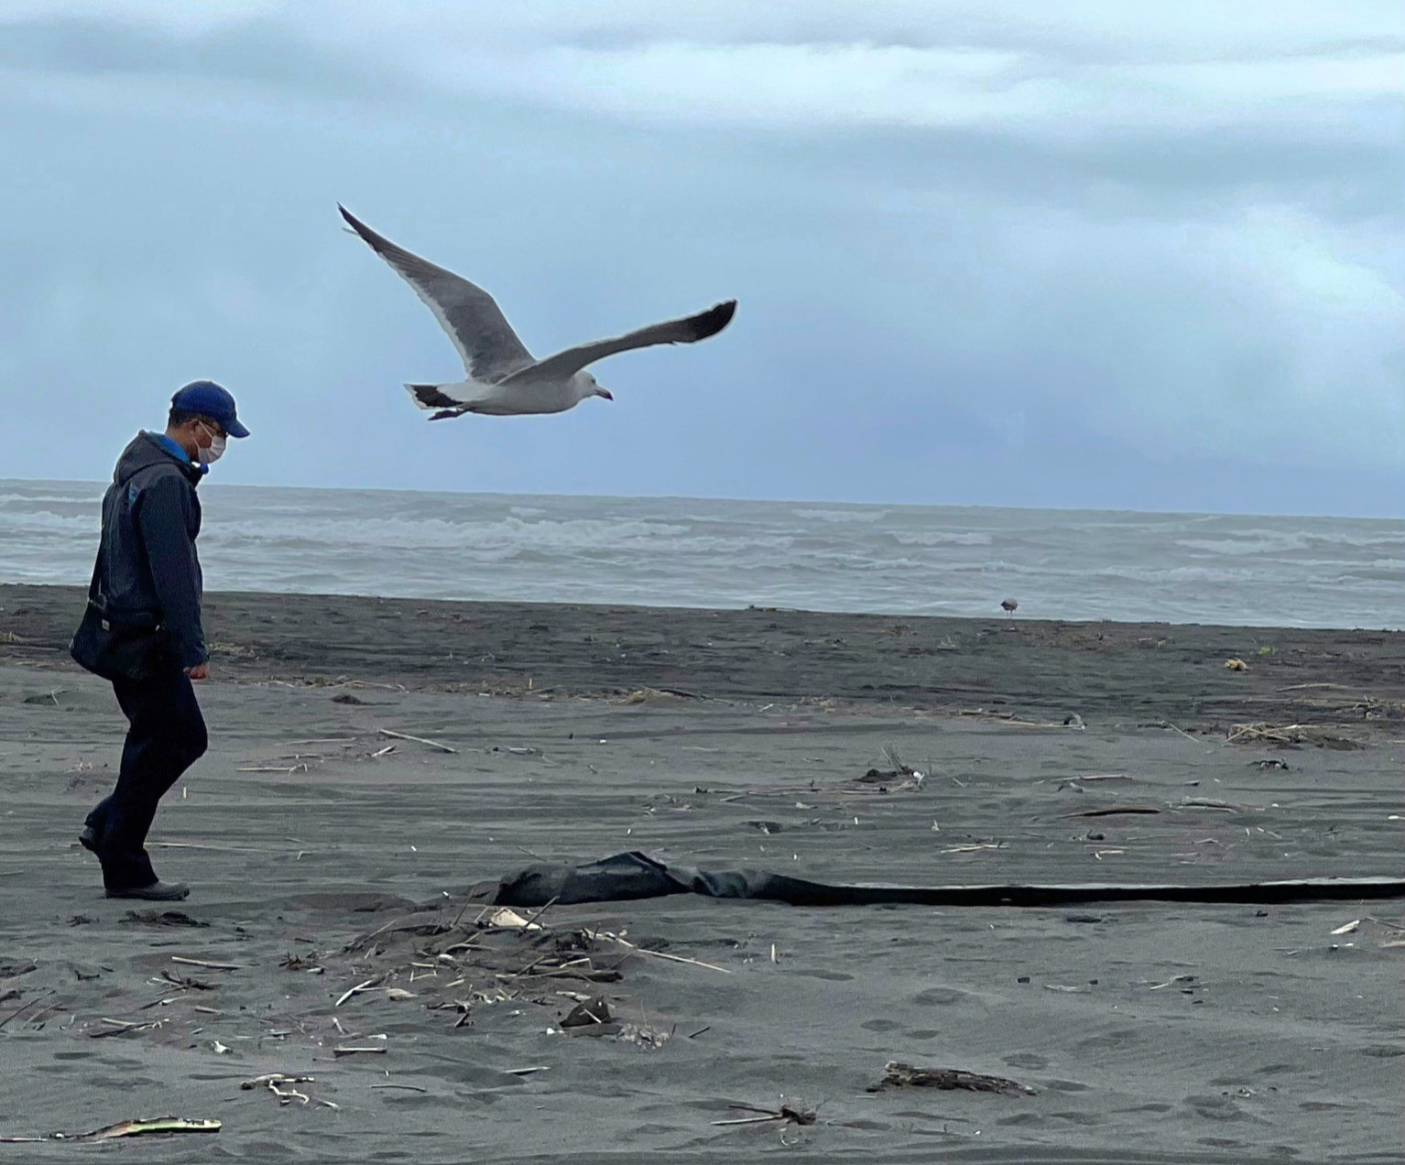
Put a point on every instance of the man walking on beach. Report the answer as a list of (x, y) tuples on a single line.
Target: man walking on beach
[(142, 630)]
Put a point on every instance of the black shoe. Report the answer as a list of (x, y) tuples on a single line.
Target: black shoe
[(156, 892)]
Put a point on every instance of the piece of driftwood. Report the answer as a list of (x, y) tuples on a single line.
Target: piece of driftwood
[(154, 1126), (899, 1075)]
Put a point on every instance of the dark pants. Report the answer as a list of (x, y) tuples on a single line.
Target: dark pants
[(166, 737)]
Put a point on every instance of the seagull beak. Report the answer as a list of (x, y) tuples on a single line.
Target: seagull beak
[(605, 392)]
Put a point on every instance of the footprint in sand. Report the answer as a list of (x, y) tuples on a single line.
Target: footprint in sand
[(880, 1025), (1215, 1108), (940, 997)]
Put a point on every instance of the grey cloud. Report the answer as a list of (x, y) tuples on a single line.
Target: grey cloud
[(256, 51)]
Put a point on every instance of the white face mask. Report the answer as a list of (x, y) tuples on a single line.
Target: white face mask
[(215, 451)]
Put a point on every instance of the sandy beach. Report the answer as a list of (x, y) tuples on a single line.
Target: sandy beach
[(326, 855)]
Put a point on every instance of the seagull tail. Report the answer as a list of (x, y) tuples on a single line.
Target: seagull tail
[(431, 396)]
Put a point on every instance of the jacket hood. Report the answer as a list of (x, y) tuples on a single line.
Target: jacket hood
[(145, 451)]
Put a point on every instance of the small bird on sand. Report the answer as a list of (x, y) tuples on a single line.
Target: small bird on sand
[(1009, 606), (504, 379)]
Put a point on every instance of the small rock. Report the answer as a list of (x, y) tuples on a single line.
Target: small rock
[(585, 1014)]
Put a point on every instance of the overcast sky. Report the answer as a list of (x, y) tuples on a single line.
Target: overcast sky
[(1128, 255)]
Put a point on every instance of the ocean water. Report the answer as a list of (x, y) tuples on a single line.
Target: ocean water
[(1181, 568)]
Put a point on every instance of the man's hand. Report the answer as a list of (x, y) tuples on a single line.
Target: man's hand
[(201, 671)]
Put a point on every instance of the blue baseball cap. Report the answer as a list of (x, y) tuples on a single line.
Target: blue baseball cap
[(205, 398)]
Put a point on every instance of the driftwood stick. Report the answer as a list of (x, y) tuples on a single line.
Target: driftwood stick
[(24, 1007), (360, 987), (417, 739), (276, 1078), (207, 964), (614, 938), (132, 1128)]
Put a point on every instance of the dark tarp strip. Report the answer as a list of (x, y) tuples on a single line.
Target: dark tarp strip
[(636, 875)]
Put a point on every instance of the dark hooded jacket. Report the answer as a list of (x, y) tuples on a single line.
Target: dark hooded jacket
[(147, 569)]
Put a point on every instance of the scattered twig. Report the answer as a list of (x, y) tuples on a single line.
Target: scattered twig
[(208, 965), (360, 1050), (273, 1080), (604, 934), (786, 1114), (374, 981), (531, 923), (1288, 734), (417, 739), (25, 1007), (1178, 731)]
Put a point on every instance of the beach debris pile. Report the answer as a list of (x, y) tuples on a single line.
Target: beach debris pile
[(501, 956)]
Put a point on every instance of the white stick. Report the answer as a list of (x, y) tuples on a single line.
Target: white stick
[(416, 739)]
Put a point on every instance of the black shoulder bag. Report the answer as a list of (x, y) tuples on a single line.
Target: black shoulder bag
[(112, 648)]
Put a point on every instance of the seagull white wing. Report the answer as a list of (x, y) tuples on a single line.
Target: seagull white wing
[(687, 330), (472, 318)]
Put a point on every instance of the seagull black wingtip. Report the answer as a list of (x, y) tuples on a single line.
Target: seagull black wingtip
[(712, 321), (357, 225)]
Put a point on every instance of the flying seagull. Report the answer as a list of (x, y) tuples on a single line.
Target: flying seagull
[(504, 379)]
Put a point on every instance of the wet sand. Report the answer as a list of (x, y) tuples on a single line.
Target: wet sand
[(1148, 1032)]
